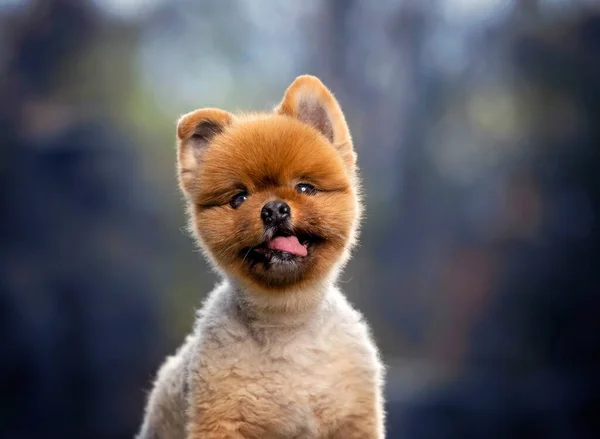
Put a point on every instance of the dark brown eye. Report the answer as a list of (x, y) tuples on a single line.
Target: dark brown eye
[(305, 188), (237, 200)]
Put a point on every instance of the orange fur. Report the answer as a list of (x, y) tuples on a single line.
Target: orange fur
[(278, 351), (306, 89)]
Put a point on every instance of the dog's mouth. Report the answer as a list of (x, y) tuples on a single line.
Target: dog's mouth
[(282, 248)]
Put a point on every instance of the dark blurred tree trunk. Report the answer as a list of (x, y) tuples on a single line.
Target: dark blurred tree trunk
[(334, 39)]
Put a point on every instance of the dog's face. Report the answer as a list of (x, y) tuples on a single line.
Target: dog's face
[(273, 197)]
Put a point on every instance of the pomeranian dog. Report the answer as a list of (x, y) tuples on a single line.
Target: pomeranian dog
[(277, 350)]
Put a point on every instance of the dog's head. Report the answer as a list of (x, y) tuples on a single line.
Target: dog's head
[(273, 198)]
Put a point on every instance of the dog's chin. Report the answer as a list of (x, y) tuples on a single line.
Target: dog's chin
[(272, 268)]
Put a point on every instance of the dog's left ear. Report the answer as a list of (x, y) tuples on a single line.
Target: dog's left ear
[(195, 132), (308, 100)]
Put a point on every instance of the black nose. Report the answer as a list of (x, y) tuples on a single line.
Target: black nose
[(275, 212)]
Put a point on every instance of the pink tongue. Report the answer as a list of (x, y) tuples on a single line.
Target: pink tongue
[(288, 244)]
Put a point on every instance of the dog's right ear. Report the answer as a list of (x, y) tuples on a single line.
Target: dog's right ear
[(195, 132), (308, 100)]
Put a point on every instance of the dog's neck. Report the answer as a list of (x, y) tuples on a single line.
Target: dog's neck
[(285, 309)]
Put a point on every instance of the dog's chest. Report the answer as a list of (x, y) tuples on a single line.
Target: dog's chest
[(293, 383), (309, 372)]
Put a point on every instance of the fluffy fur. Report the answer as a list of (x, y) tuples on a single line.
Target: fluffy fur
[(277, 351)]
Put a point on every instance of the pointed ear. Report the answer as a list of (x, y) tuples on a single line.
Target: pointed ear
[(195, 132), (308, 100)]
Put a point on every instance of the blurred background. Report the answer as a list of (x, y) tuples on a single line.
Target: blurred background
[(477, 124)]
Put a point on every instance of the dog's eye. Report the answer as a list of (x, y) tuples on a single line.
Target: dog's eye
[(305, 188), (237, 200)]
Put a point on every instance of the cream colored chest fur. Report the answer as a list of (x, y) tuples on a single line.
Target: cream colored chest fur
[(270, 379)]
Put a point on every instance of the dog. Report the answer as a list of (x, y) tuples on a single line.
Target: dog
[(277, 351)]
